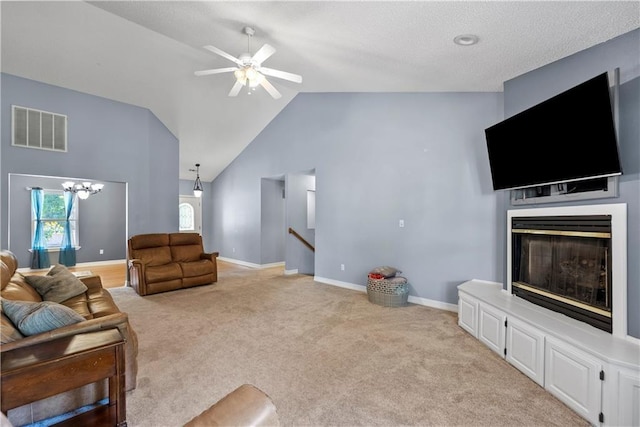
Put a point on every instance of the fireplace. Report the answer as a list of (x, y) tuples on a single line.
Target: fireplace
[(571, 260), (564, 264)]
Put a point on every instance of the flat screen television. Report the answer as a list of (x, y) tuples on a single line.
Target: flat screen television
[(568, 137)]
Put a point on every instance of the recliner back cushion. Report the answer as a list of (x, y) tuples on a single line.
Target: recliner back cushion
[(186, 253), (153, 256), (185, 239), (143, 241)]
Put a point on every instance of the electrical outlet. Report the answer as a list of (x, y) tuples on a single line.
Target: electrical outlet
[(342, 267), (401, 223), (233, 250), (101, 251)]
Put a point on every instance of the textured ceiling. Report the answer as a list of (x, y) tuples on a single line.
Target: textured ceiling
[(145, 52)]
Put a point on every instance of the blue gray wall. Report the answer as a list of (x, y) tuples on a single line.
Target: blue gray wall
[(538, 85), (108, 141), (378, 158)]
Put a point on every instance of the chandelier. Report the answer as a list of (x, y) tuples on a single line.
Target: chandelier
[(83, 190)]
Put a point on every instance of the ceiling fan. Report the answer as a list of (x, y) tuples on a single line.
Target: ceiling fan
[(249, 70)]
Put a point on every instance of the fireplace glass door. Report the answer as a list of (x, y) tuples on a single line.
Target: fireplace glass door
[(564, 270)]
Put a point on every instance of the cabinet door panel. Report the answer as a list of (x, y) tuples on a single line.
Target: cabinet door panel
[(468, 314), (525, 349), (629, 398), (491, 329), (573, 377)]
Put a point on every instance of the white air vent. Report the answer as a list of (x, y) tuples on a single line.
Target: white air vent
[(38, 129)]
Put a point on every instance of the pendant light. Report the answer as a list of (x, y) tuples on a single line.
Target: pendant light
[(197, 186)]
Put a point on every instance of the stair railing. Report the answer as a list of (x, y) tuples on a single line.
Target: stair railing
[(302, 239)]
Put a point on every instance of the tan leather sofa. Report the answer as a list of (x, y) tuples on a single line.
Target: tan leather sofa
[(97, 306), (168, 261), (245, 406)]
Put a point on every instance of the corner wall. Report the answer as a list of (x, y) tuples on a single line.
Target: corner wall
[(378, 158)]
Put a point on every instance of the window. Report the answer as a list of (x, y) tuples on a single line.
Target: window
[(187, 222), (53, 218)]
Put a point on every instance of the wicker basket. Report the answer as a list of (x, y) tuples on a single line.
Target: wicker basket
[(388, 293)]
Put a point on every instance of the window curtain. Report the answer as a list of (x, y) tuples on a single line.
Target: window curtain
[(67, 251), (39, 254)]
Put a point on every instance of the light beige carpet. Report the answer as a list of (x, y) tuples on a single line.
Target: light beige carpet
[(325, 355)]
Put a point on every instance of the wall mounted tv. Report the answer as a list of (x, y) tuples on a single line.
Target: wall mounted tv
[(568, 137)]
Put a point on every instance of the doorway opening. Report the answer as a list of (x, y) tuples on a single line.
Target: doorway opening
[(190, 214)]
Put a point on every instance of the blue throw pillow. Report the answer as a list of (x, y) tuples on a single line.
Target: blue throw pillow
[(37, 317)]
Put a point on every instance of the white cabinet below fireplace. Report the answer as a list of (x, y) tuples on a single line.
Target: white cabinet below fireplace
[(491, 326), (525, 349), (593, 372), (468, 314), (573, 377)]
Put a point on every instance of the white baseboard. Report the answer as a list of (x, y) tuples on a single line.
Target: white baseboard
[(433, 303), (340, 284), (80, 264), (291, 272), (250, 264), (414, 300)]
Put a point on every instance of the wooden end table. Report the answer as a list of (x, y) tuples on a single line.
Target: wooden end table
[(46, 369)]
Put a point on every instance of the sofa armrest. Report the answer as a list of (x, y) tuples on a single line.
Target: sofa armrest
[(137, 276), (212, 256), (116, 320)]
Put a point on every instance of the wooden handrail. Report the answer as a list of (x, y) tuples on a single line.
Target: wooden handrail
[(299, 237)]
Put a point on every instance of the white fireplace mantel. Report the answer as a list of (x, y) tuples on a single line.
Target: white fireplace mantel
[(618, 212)]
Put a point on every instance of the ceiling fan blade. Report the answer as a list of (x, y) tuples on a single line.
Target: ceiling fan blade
[(235, 90), (269, 88), (281, 74), (215, 71), (263, 53), (223, 54)]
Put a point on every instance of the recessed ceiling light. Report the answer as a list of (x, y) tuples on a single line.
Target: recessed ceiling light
[(466, 39)]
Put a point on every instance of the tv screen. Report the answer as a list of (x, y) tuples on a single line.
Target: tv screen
[(568, 137)]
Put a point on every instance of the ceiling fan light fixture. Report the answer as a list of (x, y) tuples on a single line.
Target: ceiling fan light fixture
[(256, 81), (240, 75), (249, 72)]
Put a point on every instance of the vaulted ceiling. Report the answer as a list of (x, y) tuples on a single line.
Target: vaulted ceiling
[(145, 53)]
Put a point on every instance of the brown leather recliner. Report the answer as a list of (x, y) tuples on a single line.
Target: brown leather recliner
[(97, 306), (163, 262), (245, 406)]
